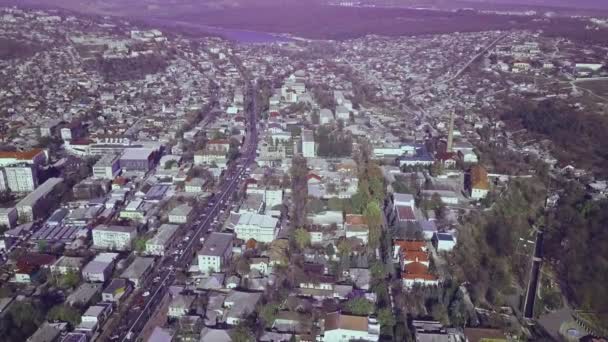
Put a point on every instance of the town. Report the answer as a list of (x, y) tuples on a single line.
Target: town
[(156, 186)]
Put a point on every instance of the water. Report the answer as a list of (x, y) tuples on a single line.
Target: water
[(245, 36)]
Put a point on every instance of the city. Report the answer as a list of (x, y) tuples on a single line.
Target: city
[(160, 184)]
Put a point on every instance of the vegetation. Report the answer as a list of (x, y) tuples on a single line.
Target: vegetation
[(577, 137), (10, 49), (124, 69), (335, 143), (20, 321), (302, 238), (64, 313), (359, 306), (299, 190)]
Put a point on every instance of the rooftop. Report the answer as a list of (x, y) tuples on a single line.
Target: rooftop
[(216, 244)]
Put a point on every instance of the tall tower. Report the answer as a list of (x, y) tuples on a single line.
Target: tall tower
[(449, 148)]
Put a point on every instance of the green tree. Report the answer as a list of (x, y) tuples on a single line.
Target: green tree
[(20, 321), (373, 216), (299, 188), (359, 306), (242, 333), (344, 248), (268, 313), (386, 317), (243, 266), (302, 238), (140, 244), (64, 313)]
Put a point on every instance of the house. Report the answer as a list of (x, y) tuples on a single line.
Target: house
[(117, 289), (94, 318), (261, 228), (414, 261), (29, 266), (361, 277), (356, 227), (180, 214), (480, 184), (48, 332), (100, 268), (239, 305), (84, 294), (405, 214), (445, 241), (8, 217), (66, 264), (180, 305), (138, 270), (215, 253), (446, 196), (195, 185), (158, 244), (326, 116), (292, 322), (345, 328), (407, 200)]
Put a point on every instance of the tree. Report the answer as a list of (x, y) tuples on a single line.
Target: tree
[(140, 244), (302, 238), (386, 317), (242, 334), (268, 313), (315, 205), (373, 216), (299, 188), (359, 306), (64, 313), (243, 266), (330, 251), (344, 248), (20, 321)]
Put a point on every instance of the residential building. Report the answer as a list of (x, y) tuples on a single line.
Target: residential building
[(240, 304), (158, 244), (445, 241), (356, 227), (32, 157), (400, 199), (93, 318), (345, 328), (8, 217), (138, 270), (48, 332), (20, 177), (39, 201), (180, 214), (117, 289), (180, 306), (114, 237), (215, 253), (427, 331), (261, 228), (480, 184), (67, 264), (100, 268)]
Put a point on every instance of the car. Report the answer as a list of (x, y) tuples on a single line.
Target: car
[(146, 294)]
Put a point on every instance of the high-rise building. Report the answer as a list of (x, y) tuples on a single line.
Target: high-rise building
[(20, 178), (451, 134)]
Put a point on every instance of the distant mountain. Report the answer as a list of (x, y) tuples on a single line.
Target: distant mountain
[(584, 4)]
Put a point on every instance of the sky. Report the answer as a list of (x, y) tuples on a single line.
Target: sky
[(603, 4)]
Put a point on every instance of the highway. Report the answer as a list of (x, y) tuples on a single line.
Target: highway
[(156, 285)]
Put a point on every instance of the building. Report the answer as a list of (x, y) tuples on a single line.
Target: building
[(114, 237), (216, 252), (180, 306), (39, 201), (239, 305), (93, 318), (326, 116), (180, 214), (446, 196), (261, 228), (308, 144), (480, 184), (404, 200), (67, 264), (20, 177), (433, 331), (115, 291), (137, 159), (138, 270), (100, 268), (158, 244), (356, 227), (346, 328), (445, 242), (48, 332), (32, 157), (8, 217), (108, 167)]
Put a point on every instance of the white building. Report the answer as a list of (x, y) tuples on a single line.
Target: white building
[(342, 113), (326, 116), (346, 328), (404, 200), (36, 202), (180, 214), (114, 237), (261, 228), (161, 240), (20, 178), (8, 217), (445, 242), (108, 167), (216, 252), (308, 144)]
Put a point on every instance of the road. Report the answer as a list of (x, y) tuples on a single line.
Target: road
[(464, 68), (179, 257)]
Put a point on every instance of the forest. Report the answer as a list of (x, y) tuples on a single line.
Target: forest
[(578, 138), (122, 69)]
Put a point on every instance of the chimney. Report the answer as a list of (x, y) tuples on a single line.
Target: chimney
[(451, 133)]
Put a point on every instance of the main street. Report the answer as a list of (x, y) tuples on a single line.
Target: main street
[(156, 285)]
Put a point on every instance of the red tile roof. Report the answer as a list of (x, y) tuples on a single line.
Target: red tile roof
[(353, 219), (21, 155), (479, 178), (405, 213)]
